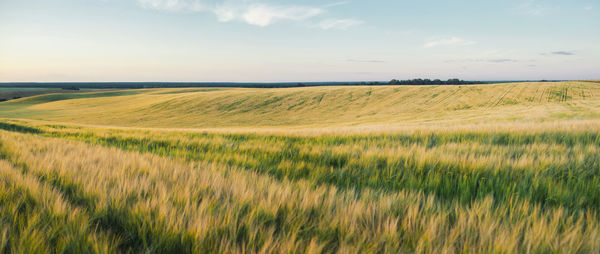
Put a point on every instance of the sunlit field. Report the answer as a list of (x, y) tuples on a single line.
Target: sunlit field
[(501, 168), (317, 107)]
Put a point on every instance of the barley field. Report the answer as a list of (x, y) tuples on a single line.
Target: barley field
[(500, 168)]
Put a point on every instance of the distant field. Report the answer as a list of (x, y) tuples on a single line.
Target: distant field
[(9, 93), (317, 107), (498, 168)]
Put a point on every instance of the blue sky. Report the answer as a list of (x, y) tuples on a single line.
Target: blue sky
[(271, 41)]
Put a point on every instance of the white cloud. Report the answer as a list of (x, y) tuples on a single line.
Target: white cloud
[(251, 11), (342, 24), (453, 41), (225, 14), (264, 15), (588, 8)]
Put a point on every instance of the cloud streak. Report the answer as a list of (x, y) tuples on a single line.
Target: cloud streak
[(563, 53), (342, 24), (453, 41), (479, 60), (365, 61), (252, 12), (559, 53), (501, 60)]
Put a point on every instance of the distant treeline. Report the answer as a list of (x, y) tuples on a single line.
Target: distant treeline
[(418, 82), (433, 82), (139, 85)]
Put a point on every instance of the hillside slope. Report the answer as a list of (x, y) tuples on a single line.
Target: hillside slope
[(317, 106)]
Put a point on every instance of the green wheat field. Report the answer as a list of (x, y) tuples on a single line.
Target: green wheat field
[(495, 168)]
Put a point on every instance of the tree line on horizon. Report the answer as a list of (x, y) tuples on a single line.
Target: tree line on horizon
[(139, 85), (432, 82), (408, 82)]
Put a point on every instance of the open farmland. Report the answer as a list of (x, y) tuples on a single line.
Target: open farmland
[(480, 168), (320, 107)]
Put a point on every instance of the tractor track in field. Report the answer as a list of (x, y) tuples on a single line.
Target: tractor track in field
[(544, 91), (444, 98), (565, 94), (501, 98)]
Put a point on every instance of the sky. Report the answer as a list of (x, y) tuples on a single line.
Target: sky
[(297, 40)]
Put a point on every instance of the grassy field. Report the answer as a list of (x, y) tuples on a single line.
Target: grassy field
[(488, 168), (317, 107)]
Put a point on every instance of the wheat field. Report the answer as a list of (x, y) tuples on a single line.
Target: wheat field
[(317, 107), (501, 168)]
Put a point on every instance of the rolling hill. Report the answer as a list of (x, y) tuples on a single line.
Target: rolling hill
[(317, 107)]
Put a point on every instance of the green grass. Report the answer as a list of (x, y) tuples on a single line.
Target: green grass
[(148, 204), (357, 162)]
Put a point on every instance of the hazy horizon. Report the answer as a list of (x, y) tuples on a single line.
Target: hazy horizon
[(296, 40), (262, 82)]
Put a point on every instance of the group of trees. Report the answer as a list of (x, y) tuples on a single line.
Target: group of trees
[(432, 82), (413, 82)]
